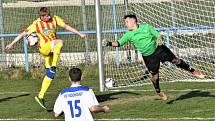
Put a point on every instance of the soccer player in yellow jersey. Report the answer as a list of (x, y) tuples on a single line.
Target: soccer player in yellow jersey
[(49, 45)]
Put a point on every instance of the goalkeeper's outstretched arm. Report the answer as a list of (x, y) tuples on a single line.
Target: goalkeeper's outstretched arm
[(108, 43), (20, 36)]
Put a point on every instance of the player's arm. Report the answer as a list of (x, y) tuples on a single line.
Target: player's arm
[(28, 31), (108, 43), (93, 104), (56, 115), (62, 23), (97, 108), (125, 38), (20, 36), (57, 107), (71, 29)]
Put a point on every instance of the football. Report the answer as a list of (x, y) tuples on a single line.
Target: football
[(32, 39), (109, 82)]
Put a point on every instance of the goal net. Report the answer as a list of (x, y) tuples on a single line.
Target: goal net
[(186, 26)]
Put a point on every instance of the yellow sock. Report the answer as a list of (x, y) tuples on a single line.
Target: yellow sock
[(56, 54), (45, 85)]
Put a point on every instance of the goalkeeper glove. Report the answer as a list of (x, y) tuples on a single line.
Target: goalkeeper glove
[(105, 42)]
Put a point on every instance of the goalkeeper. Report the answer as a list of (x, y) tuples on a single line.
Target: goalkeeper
[(144, 37), (49, 45)]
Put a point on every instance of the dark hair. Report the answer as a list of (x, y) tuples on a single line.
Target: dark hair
[(44, 11), (75, 74), (131, 16)]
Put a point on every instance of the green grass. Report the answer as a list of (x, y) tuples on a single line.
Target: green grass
[(18, 89)]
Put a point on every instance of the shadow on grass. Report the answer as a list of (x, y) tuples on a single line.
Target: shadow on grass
[(191, 95), (105, 97), (49, 110), (12, 97)]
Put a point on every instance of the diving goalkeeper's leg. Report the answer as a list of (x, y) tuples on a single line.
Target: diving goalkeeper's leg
[(155, 82), (181, 64)]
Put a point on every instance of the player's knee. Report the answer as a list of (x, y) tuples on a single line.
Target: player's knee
[(176, 61), (60, 42), (155, 77), (50, 72)]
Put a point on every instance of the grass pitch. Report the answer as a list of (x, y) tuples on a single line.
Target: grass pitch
[(187, 101)]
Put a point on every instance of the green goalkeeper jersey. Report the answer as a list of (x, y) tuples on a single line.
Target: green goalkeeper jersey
[(144, 39)]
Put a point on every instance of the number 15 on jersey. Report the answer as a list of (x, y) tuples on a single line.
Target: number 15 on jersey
[(75, 108)]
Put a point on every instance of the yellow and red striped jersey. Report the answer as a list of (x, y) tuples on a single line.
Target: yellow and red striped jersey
[(46, 31)]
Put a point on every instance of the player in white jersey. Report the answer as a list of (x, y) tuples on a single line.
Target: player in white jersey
[(77, 102)]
